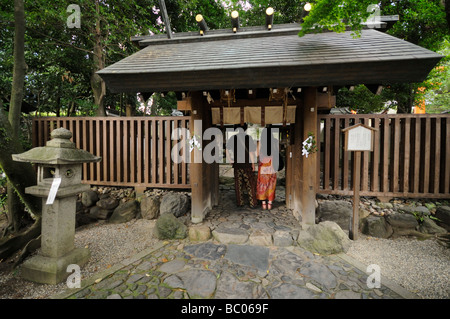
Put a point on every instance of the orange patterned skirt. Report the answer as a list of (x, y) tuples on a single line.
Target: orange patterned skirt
[(267, 180)]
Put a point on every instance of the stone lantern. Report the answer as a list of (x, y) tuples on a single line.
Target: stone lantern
[(59, 166)]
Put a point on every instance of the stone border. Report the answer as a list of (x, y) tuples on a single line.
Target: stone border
[(384, 281), (103, 274)]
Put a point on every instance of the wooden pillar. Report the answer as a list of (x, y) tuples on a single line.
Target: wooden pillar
[(309, 164), (215, 184), (200, 173), (208, 169), (289, 177), (296, 164)]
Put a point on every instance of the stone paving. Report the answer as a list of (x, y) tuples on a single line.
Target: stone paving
[(253, 255)]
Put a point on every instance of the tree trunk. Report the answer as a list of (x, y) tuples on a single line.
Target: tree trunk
[(58, 106), (129, 110), (72, 109), (446, 4), (99, 90), (97, 84), (21, 175), (15, 108), (16, 211), (9, 246)]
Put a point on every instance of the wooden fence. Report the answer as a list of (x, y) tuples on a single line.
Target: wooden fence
[(135, 151), (411, 156)]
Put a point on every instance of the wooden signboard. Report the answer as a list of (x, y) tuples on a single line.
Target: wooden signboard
[(358, 138)]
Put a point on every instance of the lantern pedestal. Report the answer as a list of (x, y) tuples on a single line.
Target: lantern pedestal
[(53, 270), (57, 237), (59, 166)]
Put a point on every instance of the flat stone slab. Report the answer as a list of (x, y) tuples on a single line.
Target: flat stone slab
[(174, 281), (284, 266), (229, 287), (320, 273), (347, 294), (283, 238), (260, 238), (253, 256), (198, 283), (206, 250), (172, 266), (290, 291), (227, 235)]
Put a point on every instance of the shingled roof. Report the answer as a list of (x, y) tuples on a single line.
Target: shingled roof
[(258, 58)]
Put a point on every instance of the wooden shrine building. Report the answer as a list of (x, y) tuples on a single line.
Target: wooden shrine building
[(248, 65)]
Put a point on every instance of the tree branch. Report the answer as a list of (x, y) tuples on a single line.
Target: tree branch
[(63, 43)]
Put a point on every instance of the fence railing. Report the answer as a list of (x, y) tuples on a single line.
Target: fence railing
[(135, 151), (411, 156)]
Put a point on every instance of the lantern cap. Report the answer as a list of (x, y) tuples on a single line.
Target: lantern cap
[(59, 150)]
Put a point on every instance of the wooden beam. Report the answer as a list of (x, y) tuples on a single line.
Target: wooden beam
[(253, 102), (162, 6)]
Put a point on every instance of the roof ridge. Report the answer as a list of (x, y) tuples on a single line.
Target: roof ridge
[(218, 34)]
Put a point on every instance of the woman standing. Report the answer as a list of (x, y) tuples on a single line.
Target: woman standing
[(267, 168)]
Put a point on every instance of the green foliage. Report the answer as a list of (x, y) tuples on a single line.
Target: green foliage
[(253, 12), (61, 60), (182, 14), (437, 96), (336, 15), (164, 105), (422, 22), (420, 217), (360, 99)]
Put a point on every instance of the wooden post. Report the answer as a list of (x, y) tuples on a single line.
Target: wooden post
[(296, 164), (354, 225), (196, 169), (309, 164), (358, 138), (201, 173)]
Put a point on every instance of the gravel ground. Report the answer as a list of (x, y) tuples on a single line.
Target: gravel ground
[(108, 244), (422, 267)]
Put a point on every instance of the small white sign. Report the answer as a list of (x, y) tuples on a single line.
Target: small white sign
[(359, 139), (53, 190)]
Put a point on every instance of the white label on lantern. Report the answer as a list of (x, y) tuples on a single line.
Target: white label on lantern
[(53, 190)]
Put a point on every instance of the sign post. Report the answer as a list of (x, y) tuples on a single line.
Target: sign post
[(358, 138)]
